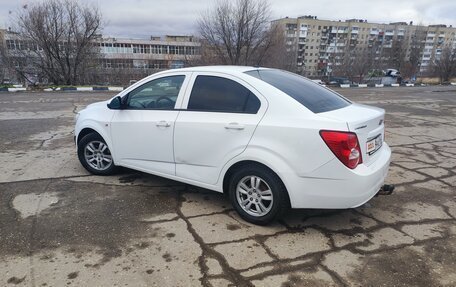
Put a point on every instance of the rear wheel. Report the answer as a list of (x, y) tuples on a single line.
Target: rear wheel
[(257, 194), (95, 156)]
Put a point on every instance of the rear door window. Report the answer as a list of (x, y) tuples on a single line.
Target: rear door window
[(313, 96), (217, 94)]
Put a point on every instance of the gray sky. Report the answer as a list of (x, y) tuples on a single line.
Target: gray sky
[(142, 18)]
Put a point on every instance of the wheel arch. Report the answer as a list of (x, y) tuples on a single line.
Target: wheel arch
[(84, 132), (242, 163), (87, 127)]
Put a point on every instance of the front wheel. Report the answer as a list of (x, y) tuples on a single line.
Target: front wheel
[(95, 156), (257, 194)]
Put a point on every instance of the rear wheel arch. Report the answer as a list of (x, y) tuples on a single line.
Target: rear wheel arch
[(263, 196), (243, 163)]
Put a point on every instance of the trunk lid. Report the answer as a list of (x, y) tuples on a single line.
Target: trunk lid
[(368, 124)]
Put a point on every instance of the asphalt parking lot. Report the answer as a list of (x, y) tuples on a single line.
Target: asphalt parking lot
[(61, 226)]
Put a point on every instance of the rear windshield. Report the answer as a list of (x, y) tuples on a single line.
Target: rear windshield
[(313, 96)]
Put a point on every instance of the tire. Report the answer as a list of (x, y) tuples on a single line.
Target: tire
[(95, 156), (248, 187)]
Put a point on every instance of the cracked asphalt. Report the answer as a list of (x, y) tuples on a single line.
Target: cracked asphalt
[(61, 226)]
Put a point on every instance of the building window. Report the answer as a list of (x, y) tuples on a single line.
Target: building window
[(172, 50)]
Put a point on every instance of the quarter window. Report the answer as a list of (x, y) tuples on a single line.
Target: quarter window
[(159, 94), (216, 94)]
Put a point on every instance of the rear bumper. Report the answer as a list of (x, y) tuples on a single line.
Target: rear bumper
[(335, 186)]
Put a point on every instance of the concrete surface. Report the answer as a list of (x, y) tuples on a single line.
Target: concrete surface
[(61, 226)]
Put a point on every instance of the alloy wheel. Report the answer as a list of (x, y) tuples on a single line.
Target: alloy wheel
[(97, 155), (254, 195)]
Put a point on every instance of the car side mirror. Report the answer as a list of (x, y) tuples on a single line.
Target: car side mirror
[(116, 103)]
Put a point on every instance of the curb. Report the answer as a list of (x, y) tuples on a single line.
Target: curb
[(84, 89), (67, 89), (115, 89), (12, 89), (381, 85), (100, 88), (119, 89)]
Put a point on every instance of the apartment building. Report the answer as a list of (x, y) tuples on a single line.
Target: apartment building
[(320, 45)]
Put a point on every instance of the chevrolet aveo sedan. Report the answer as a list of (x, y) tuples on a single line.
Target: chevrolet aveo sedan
[(267, 138)]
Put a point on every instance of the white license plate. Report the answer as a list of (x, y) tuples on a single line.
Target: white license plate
[(374, 144)]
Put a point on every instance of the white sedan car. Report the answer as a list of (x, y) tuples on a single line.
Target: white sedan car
[(267, 138)]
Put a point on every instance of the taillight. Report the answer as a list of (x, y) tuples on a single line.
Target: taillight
[(345, 147)]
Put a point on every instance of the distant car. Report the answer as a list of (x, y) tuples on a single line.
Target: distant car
[(320, 82), (269, 139), (6, 82), (392, 73), (338, 81)]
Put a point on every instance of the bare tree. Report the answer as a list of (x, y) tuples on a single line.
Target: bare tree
[(3, 63), (207, 56), (416, 44), (396, 55), (57, 40), (444, 65), (342, 60), (2, 57), (353, 63), (361, 64), (280, 54), (7, 64), (238, 32)]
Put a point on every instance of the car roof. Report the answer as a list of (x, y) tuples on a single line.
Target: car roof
[(221, 68)]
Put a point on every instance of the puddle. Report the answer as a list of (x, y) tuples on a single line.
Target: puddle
[(32, 204)]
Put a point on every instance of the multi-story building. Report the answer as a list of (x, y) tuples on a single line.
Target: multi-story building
[(319, 46), (154, 53), (136, 57)]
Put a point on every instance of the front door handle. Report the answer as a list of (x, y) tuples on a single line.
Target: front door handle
[(164, 124), (234, 126)]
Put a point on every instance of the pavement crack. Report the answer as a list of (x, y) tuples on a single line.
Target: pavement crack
[(207, 252), (32, 238), (46, 140), (333, 275)]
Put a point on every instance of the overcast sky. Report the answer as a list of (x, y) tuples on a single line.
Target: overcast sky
[(143, 18)]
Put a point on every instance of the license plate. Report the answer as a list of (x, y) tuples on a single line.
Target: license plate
[(374, 144)]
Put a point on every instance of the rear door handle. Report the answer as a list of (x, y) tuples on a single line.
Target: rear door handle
[(234, 126), (164, 124)]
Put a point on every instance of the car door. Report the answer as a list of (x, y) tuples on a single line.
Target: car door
[(142, 131), (219, 116)]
